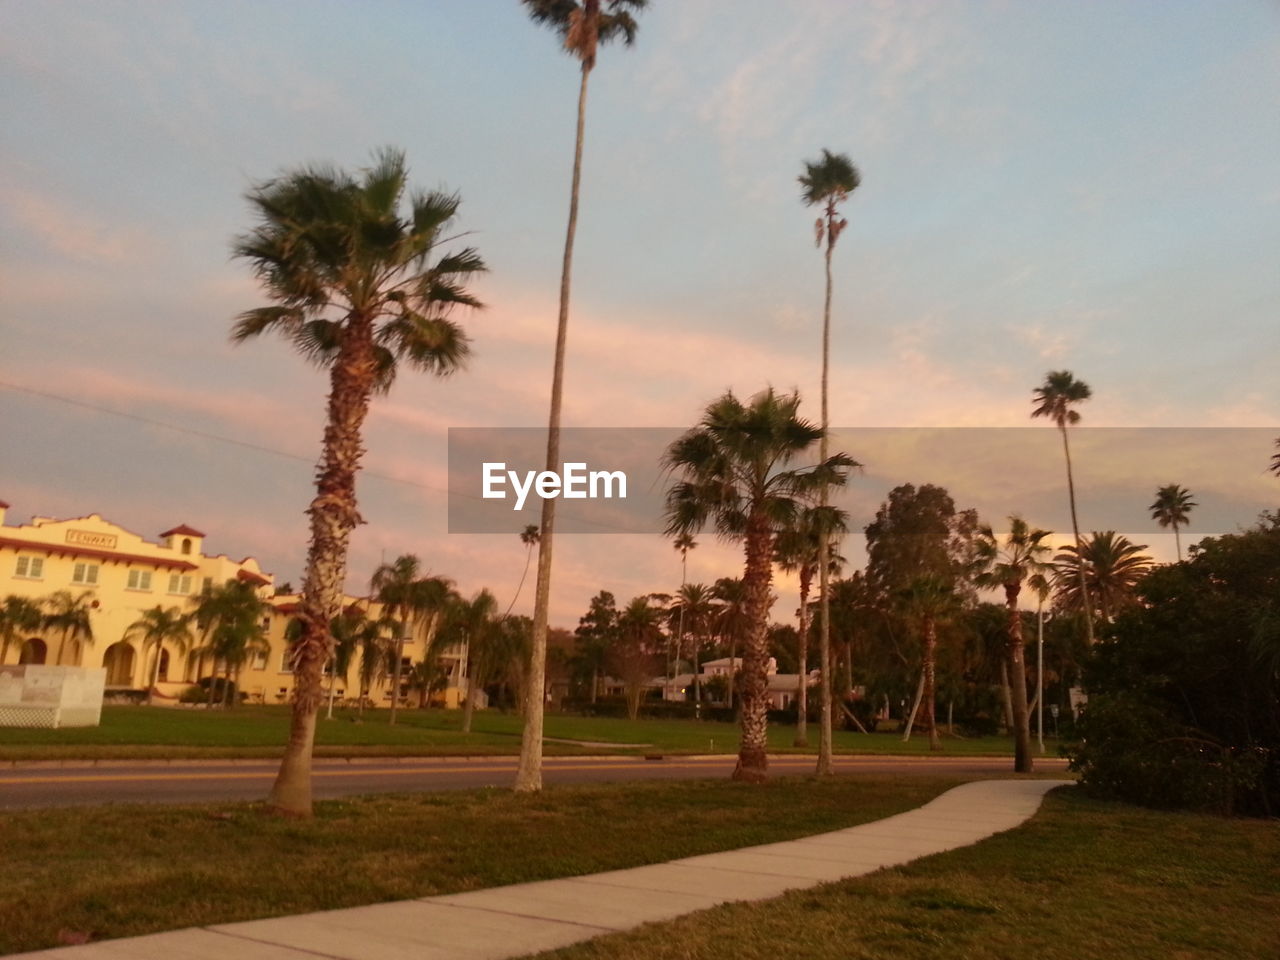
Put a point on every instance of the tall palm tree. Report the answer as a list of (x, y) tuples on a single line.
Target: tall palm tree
[(17, 615), (356, 291), (799, 550), (582, 27), (1005, 564), (929, 600), (826, 183), (696, 607), (69, 614), (1113, 566), (682, 544), (529, 536), (1054, 400), (155, 628), (734, 476), (1172, 508)]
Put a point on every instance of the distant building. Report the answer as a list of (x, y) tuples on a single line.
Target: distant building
[(781, 690)]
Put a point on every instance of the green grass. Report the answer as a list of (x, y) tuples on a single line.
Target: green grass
[(1082, 880), (259, 731), (117, 871)]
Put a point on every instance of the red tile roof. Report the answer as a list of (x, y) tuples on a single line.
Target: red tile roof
[(257, 579), (183, 530), (72, 550), (3, 505)]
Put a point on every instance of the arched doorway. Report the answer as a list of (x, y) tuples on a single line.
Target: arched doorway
[(34, 651), (163, 674), (118, 659)]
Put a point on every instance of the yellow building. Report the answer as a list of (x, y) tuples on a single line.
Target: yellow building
[(119, 575)]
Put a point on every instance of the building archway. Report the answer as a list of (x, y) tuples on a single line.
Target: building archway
[(118, 659), (34, 651), (163, 675)]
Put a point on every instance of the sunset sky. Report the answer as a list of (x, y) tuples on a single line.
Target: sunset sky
[(1046, 185)]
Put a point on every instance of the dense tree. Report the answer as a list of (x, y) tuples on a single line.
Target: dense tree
[(826, 183), (1184, 698), (582, 27), (1113, 566), (356, 291), (733, 475), (155, 628), (1055, 400), (1172, 508), (1006, 564)]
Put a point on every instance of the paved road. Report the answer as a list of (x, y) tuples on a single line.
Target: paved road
[(187, 782)]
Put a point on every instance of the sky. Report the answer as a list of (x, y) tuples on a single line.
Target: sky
[(1045, 186)]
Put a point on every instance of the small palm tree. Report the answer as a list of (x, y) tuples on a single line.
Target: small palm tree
[(356, 291), (582, 27), (1055, 400), (731, 622), (735, 477), (345, 630), (471, 623), (411, 599), (1171, 508), (695, 608), (799, 550), (682, 544), (827, 183), (635, 655), (18, 615), (69, 614), (930, 600), (1006, 565), (155, 628), (1113, 566), (230, 619)]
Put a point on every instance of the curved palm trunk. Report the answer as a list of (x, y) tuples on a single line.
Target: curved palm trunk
[(753, 763), (520, 586), (802, 688), (1075, 528), (395, 678), (155, 677), (469, 702), (824, 546), (529, 771), (1017, 683), (333, 516), (930, 680)]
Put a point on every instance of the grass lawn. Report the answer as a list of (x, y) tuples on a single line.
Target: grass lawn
[(116, 871), (1083, 880), (259, 731)]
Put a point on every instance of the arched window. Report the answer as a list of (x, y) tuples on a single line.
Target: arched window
[(186, 545), (33, 651)]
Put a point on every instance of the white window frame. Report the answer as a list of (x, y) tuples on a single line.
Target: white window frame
[(85, 574), (139, 580), (29, 567), (180, 584)]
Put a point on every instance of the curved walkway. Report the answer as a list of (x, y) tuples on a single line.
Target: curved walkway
[(530, 917)]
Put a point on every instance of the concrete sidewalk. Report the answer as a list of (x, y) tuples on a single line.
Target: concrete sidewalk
[(526, 918)]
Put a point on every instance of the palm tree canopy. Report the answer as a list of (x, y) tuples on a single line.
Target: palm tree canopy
[(1172, 506), (530, 535), (798, 546), (1275, 460), (331, 248), (162, 625), (1113, 565), (18, 614), (734, 466), (831, 178), (583, 26), (70, 613), (1010, 562), (1056, 396)]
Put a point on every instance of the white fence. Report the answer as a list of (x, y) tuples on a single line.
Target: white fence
[(43, 696)]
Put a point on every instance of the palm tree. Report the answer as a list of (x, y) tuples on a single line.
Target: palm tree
[(1275, 460), (827, 183), (1054, 400), (410, 600), (230, 617), (17, 615), (582, 27), (929, 600), (731, 621), (799, 549), (1171, 508), (345, 629), (471, 623), (356, 292), (69, 614), (696, 607), (635, 654), (529, 536), (1113, 566), (1006, 566), (682, 544), (734, 476), (155, 628)]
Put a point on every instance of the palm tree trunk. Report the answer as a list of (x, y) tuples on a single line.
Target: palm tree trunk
[(1005, 696), (930, 682), (753, 763), (395, 678), (1177, 540), (1022, 762), (155, 677), (333, 515), (802, 688), (1075, 528), (529, 771), (468, 704), (824, 546), (909, 721)]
